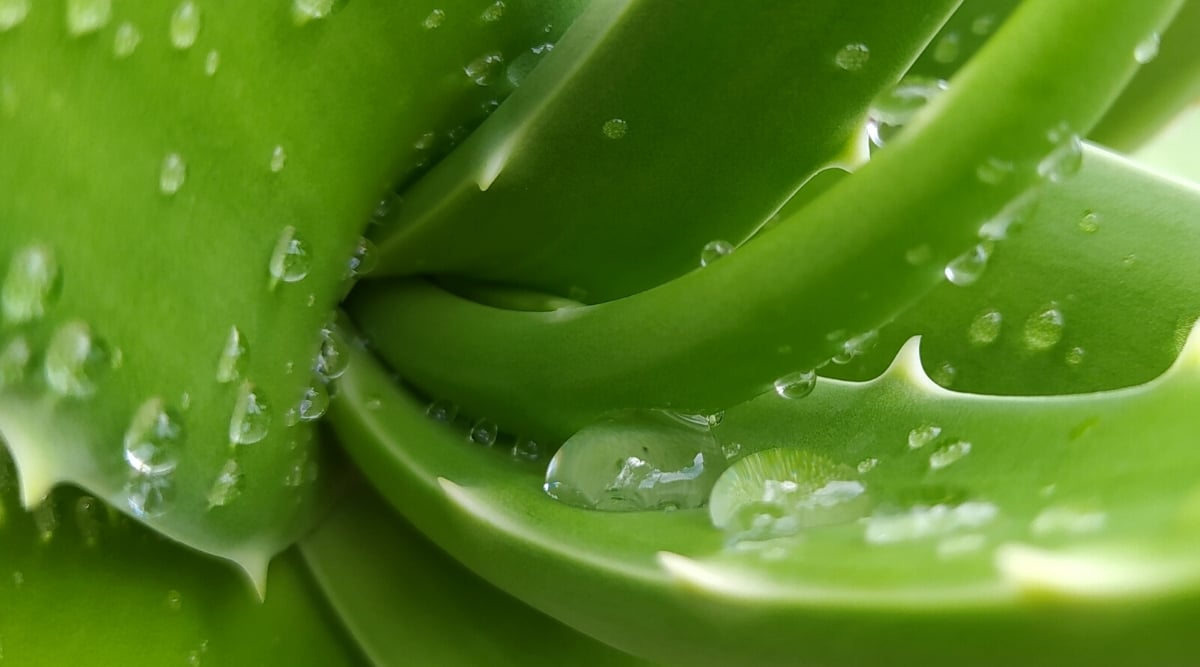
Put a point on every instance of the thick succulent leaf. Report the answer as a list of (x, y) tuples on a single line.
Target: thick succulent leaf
[(84, 585), (163, 194), (1092, 291), (406, 602), (872, 244), (625, 148), (1099, 533)]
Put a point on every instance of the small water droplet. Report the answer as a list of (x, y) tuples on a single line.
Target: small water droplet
[(948, 48), (290, 260), (1147, 49), (923, 435), (1075, 356), (185, 25), (227, 487), (944, 374), (314, 403), (14, 360), (994, 171), (442, 411), (12, 13), (867, 465), (87, 16), (45, 520), (483, 432), (985, 328), (925, 521), (33, 283), (615, 128), (1063, 161), (896, 107), (304, 11), (278, 159), (126, 40), (87, 520), (494, 12), (484, 69), (74, 360), (150, 496), (948, 454), (212, 62), (526, 449), (1044, 328), (251, 419), (968, 267), (1061, 520), (796, 385), (1089, 223), (852, 57), (714, 250), (362, 260), (232, 361), (983, 25), (434, 20), (918, 255), (526, 62), (334, 358), (172, 174), (153, 439)]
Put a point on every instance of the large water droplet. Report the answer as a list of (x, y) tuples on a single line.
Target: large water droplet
[(949, 454), (782, 492), (1044, 328), (153, 439), (150, 496), (290, 260), (232, 362), (333, 358), (12, 13), (185, 25), (526, 62), (635, 461), (74, 360), (968, 267), (251, 419), (172, 174), (714, 250), (87, 16), (362, 260), (32, 285), (435, 19), (985, 328), (895, 107), (314, 403), (615, 128), (1147, 49), (852, 57), (227, 486), (796, 385), (485, 69), (126, 40)]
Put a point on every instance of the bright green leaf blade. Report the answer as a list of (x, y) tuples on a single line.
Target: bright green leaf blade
[(811, 601), (406, 602), (1173, 150), (83, 585), (625, 148), (162, 192)]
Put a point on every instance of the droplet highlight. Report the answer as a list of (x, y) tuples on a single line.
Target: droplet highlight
[(251, 419), (184, 26)]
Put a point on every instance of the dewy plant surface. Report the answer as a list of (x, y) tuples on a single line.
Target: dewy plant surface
[(631, 294)]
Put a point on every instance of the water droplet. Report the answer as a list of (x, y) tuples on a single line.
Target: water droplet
[(12, 13), (494, 12), (1089, 223), (45, 520), (957, 546), (87, 520), (1075, 356), (968, 267), (714, 250), (174, 600), (924, 521), (442, 411), (614, 128), (1044, 328), (856, 346), (314, 403), (232, 361), (434, 20), (985, 328), (74, 360), (185, 25), (994, 171), (867, 465), (782, 492), (526, 449), (983, 25), (1062, 520), (1147, 49), (227, 486), (278, 159), (918, 255), (363, 260), (484, 69), (796, 385), (636, 461), (126, 40), (150, 496), (526, 62), (14, 359), (944, 374), (852, 57), (923, 435), (1064, 161), (172, 174), (251, 419), (153, 439), (290, 260), (32, 284), (947, 49), (483, 432), (334, 358), (212, 62), (87, 16), (948, 454), (304, 11), (895, 107)]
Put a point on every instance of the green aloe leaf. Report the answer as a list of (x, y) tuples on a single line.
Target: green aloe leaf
[(174, 234), (376, 570), (84, 585), (601, 122)]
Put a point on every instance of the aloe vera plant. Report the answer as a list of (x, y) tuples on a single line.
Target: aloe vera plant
[(699, 333)]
